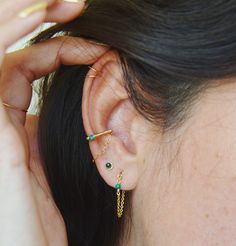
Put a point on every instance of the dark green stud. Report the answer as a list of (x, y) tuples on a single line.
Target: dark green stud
[(118, 186), (109, 165)]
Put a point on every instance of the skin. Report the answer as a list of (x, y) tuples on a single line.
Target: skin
[(27, 211), (194, 197), (182, 181)]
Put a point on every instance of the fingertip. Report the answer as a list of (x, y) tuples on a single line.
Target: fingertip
[(64, 11)]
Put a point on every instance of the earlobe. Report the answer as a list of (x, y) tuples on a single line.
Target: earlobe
[(109, 120)]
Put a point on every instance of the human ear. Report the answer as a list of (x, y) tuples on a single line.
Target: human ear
[(106, 106)]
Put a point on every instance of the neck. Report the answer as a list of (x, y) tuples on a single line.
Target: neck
[(180, 194)]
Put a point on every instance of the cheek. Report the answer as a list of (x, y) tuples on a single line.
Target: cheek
[(201, 211)]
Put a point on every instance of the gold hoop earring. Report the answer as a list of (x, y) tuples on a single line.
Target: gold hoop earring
[(92, 68), (92, 76), (14, 107), (94, 136), (120, 196), (106, 145)]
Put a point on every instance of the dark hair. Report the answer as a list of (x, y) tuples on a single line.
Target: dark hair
[(169, 51)]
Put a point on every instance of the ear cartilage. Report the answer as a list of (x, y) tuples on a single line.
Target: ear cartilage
[(94, 136)]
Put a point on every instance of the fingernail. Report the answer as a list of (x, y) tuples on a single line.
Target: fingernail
[(74, 1), (32, 9)]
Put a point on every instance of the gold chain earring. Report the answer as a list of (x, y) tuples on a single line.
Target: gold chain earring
[(107, 142), (120, 196)]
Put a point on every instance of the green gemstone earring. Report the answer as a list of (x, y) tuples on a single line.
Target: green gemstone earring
[(109, 166), (91, 138), (94, 136)]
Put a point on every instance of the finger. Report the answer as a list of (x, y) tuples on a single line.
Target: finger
[(65, 11), (17, 22), (22, 67), (12, 151), (16, 28), (10, 9)]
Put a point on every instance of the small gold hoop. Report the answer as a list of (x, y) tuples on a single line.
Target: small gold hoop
[(93, 69), (94, 136), (92, 76), (15, 108)]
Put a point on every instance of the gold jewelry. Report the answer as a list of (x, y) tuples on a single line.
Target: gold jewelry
[(33, 9), (94, 136), (92, 76), (15, 108), (97, 43), (105, 148), (120, 196), (92, 68), (74, 1)]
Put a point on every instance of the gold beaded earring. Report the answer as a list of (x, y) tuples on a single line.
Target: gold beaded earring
[(120, 196)]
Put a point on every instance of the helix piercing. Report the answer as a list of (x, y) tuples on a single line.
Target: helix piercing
[(93, 69), (92, 76)]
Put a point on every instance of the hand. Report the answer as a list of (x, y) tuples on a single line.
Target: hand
[(14, 23), (28, 215)]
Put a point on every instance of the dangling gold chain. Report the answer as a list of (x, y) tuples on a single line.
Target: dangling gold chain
[(105, 148), (120, 203), (120, 196)]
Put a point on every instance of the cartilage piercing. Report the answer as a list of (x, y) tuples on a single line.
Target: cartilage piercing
[(94, 136)]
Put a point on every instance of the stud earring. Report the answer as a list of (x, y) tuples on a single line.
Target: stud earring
[(120, 195), (109, 166)]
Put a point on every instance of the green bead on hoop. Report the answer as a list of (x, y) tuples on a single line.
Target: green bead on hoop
[(94, 136), (91, 138)]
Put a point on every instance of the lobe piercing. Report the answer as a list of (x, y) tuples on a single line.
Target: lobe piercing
[(109, 166), (120, 196)]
